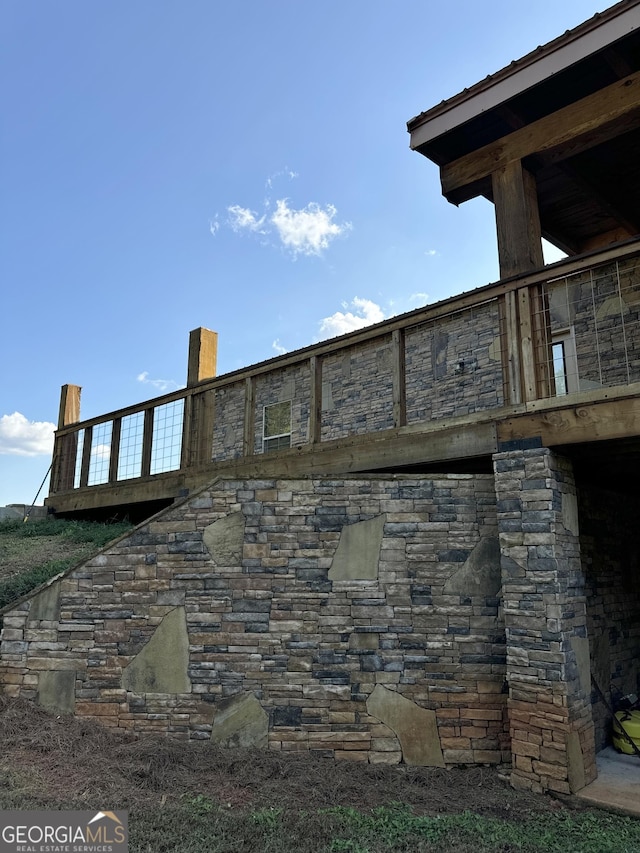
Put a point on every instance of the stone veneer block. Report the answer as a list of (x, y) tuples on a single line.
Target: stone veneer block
[(358, 551), (46, 604), (481, 573), (570, 513), (224, 539), (56, 691), (240, 721), (162, 665), (415, 727), (580, 646), (575, 761)]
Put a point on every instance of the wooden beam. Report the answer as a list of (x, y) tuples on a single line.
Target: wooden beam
[(567, 131), (69, 412), (517, 220), (601, 421), (249, 437), (315, 403), (398, 373)]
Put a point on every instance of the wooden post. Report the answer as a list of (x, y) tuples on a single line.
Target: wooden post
[(203, 355), (65, 448), (315, 405), (69, 412), (86, 457), (517, 220), (147, 443), (398, 373), (114, 454), (249, 439)]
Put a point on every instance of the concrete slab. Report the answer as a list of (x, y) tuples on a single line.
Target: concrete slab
[(618, 784)]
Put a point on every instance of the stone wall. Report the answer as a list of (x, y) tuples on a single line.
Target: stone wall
[(453, 365), (356, 618), (548, 667), (602, 308), (453, 368), (611, 563), (357, 390)]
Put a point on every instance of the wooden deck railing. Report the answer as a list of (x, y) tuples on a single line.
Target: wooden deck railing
[(570, 327)]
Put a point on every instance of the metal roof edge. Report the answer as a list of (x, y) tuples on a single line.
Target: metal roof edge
[(603, 29)]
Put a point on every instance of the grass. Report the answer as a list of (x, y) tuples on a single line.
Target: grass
[(19, 550), (200, 826)]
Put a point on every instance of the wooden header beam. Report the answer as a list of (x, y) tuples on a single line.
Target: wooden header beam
[(566, 132)]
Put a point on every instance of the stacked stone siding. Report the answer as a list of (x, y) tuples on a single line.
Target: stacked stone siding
[(357, 618), (453, 365), (357, 390), (228, 425), (610, 560), (546, 624), (602, 307)]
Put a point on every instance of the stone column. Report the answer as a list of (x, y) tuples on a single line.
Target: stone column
[(548, 670)]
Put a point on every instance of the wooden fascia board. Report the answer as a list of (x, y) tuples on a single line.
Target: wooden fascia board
[(592, 36), (578, 126)]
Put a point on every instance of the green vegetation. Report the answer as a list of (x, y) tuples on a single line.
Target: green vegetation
[(198, 825), (26, 551)]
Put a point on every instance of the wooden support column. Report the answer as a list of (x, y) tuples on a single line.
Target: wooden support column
[(203, 355), (65, 448), (315, 405), (510, 345), (517, 220), (398, 378), (248, 439)]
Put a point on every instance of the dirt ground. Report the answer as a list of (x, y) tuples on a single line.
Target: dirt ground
[(61, 760)]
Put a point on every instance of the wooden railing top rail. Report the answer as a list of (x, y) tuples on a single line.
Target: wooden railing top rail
[(446, 307)]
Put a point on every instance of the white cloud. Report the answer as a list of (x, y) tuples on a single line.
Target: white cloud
[(101, 451), (307, 231), (286, 173), (243, 219), (422, 298), (364, 313), (302, 231), (430, 253), (163, 385), (22, 437), (278, 348), (551, 253)]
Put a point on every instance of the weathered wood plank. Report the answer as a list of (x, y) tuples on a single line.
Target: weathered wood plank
[(529, 375), (398, 376), (248, 438), (576, 424), (315, 403), (568, 131)]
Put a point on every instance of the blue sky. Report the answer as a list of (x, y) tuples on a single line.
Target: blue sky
[(240, 165)]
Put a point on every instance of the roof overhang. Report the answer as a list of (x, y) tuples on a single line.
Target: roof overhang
[(552, 110)]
